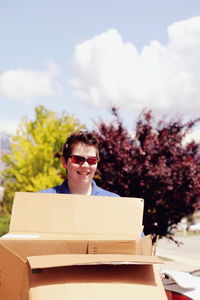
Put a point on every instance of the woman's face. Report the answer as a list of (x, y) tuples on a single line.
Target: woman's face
[(81, 174)]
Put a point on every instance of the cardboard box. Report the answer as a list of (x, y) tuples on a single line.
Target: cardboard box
[(53, 245), (81, 224), (77, 277), (41, 213)]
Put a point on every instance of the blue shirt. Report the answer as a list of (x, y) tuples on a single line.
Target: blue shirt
[(63, 189), (96, 191)]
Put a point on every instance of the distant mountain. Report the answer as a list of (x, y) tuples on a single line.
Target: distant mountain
[(4, 148), (4, 142)]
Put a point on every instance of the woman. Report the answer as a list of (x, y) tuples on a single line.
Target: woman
[(80, 158)]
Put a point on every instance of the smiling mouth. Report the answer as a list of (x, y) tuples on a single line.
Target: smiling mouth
[(83, 173)]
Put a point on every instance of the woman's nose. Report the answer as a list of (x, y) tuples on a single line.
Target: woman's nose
[(85, 164)]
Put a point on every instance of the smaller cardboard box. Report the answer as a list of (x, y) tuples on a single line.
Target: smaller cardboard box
[(63, 277)]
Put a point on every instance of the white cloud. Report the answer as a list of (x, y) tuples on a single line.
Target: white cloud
[(194, 135), (27, 84), (9, 126), (165, 78)]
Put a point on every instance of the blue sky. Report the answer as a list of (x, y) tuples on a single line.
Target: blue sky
[(84, 56)]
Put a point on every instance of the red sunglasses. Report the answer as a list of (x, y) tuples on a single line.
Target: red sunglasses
[(78, 159)]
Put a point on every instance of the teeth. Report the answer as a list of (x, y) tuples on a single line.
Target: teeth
[(83, 173)]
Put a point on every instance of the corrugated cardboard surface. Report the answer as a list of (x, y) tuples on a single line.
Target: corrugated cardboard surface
[(79, 214), (13, 275), (59, 260), (98, 282), (24, 248)]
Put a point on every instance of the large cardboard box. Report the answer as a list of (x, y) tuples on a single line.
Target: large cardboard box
[(41, 213), (81, 224), (49, 250)]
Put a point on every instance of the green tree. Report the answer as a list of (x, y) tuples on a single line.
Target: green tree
[(34, 161)]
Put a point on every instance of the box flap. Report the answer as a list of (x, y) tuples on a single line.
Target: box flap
[(98, 282), (60, 260), (34, 247), (67, 236), (76, 214), (25, 248), (12, 274)]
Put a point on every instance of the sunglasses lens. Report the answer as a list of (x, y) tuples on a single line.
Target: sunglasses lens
[(76, 159), (92, 160)]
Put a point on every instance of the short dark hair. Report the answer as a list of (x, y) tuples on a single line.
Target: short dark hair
[(85, 137)]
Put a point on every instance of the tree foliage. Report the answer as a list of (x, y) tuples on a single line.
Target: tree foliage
[(34, 161), (155, 165)]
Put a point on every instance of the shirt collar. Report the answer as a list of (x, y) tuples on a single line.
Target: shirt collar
[(65, 190)]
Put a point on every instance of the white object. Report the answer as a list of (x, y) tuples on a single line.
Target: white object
[(195, 227), (182, 282)]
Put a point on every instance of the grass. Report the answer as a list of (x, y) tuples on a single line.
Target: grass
[(188, 233), (4, 224), (164, 258)]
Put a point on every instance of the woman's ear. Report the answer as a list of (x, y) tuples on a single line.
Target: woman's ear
[(64, 163)]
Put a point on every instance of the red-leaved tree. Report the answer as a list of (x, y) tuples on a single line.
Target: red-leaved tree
[(155, 165)]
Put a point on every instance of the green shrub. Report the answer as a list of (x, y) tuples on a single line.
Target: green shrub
[(4, 224)]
